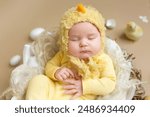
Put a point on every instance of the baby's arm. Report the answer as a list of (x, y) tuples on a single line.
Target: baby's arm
[(55, 71), (104, 84), (98, 86), (53, 65)]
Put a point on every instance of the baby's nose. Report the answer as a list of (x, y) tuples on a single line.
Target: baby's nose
[(83, 43)]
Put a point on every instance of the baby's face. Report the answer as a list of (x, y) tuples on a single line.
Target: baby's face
[(84, 40)]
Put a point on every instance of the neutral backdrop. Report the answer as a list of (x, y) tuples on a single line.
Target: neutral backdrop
[(19, 17)]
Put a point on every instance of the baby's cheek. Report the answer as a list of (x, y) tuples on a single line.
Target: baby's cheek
[(72, 51)]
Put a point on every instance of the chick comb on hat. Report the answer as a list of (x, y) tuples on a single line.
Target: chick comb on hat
[(81, 8)]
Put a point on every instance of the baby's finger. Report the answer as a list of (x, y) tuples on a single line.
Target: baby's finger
[(67, 74), (67, 87), (70, 73), (69, 81), (59, 78), (70, 92), (63, 76)]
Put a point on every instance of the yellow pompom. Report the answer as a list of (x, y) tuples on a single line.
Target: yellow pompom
[(81, 8)]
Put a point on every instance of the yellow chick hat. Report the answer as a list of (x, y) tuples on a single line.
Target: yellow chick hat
[(78, 14)]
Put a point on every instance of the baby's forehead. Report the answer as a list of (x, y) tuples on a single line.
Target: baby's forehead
[(84, 23), (85, 27)]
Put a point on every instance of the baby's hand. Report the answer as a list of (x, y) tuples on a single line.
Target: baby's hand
[(73, 87), (63, 74)]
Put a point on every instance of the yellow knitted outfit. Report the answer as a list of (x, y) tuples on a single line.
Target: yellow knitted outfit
[(98, 75)]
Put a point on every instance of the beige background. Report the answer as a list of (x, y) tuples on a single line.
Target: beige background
[(19, 17)]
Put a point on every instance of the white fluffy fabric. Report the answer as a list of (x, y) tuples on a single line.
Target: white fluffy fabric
[(20, 78)]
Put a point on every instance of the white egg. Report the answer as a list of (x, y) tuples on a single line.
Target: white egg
[(35, 33), (15, 60), (110, 23)]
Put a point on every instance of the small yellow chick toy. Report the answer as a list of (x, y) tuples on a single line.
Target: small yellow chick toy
[(133, 31)]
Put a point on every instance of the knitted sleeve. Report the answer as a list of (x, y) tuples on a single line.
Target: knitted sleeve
[(103, 85), (53, 65)]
